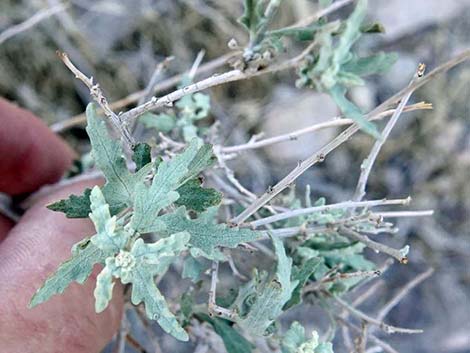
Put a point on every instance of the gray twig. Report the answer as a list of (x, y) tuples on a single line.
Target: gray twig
[(98, 96), (30, 22), (368, 163)]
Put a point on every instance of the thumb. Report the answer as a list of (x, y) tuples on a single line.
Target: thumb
[(30, 253)]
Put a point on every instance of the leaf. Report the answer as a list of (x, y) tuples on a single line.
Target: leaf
[(252, 17), (197, 198), (141, 155), (108, 237), (75, 206), (301, 274), (149, 201), (369, 65), (234, 342), (194, 106), (350, 110), (295, 341), (192, 269), (84, 256), (160, 122), (206, 235), (139, 267), (268, 297), (108, 156)]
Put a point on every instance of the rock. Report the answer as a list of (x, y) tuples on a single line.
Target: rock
[(291, 109)]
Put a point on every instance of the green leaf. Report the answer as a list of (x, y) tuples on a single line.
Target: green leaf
[(351, 111), (73, 207), (268, 296), (301, 274), (141, 155), (104, 286), (197, 198), (192, 269), (233, 341), (151, 200), (374, 27), (160, 122), (206, 235), (84, 256), (109, 157), (369, 65), (295, 341), (252, 17), (194, 106)]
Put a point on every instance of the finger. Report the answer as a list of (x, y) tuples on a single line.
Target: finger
[(5, 226), (67, 322), (30, 154)]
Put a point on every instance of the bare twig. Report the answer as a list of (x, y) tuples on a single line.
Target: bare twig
[(322, 13), (397, 214), (372, 321), (32, 21), (333, 122), (213, 308), (320, 155), (134, 97), (399, 254), (97, 95), (341, 205), (215, 80), (403, 292), (385, 346), (368, 163)]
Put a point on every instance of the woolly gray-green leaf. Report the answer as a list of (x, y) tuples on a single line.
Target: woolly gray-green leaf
[(108, 236), (350, 110), (109, 157), (373, 64), (142, 264), (295, 341), (104, 286), (206, 235), (192, 269), (84, 256), (151, 200), (268, 297), (301, 274), (161, 122)]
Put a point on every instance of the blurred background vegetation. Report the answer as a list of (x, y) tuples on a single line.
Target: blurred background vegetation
[(428, 155)]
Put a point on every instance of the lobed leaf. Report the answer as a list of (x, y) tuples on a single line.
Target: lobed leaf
[(194, 197), (206, 235), (84, 256), (75, 206)]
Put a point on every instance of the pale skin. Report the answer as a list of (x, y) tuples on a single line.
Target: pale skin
[(32, 156)]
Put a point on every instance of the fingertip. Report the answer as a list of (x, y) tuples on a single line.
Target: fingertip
[(31, 155)]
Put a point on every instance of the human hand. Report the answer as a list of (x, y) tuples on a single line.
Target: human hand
[(31, 156)]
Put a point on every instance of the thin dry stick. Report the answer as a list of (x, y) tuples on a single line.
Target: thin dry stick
[(213, 308), (340, 205), (324, 12), (385, 346), (30, 22), (402, 293), (372, 321), (134, 97), (320, 155), (368, 163), (399, 254), (397, 214), (148, 91), (215, 80), (333, 122), (97, 95)]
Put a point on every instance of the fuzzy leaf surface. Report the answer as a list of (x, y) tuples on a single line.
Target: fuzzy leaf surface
[(268, 297), (84, 256), (75, 206), (197, 198), (206, 234)]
